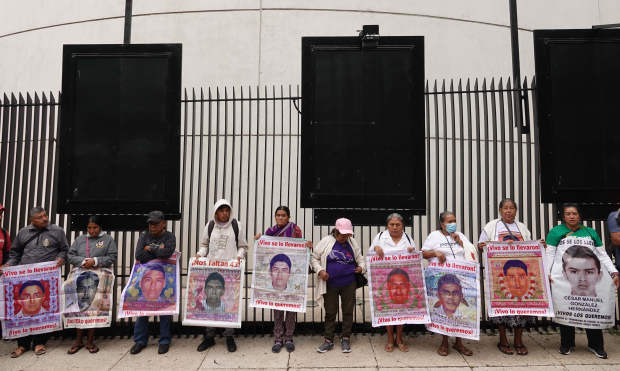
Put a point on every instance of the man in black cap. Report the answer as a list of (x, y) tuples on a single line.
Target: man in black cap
[(41, 241), (157, 243)]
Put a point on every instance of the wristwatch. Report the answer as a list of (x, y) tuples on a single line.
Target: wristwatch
[(615, 274)]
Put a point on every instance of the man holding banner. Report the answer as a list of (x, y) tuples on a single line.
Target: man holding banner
[(37, 245), (153, 250), (583, 278), (223, 239)]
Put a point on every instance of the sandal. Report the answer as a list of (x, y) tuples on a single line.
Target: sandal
[(40, 350), (520, 350), (509, 351), (75, 349), (464, 351), (93, 350), (402, 347), (442, 351), (18, 352), (389, 347)]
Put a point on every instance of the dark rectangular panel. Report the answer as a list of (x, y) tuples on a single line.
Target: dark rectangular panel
[(363, 123), (579, 115), (120, 129)]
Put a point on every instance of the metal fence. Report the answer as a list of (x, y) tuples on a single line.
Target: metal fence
[(244, 145)]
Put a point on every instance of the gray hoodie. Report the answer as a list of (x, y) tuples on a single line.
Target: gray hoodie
[(222, 244)]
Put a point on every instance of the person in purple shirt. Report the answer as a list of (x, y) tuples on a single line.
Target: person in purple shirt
[(336, 259)]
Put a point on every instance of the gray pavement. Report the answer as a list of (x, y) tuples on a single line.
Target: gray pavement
[(367, 354)]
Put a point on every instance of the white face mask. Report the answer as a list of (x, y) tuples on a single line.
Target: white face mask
[(451, 227)]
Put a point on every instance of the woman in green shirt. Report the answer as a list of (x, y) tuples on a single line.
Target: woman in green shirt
[(574, 229)]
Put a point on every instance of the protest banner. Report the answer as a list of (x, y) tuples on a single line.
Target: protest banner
[(214, 292), (453, 290), (397, 289), (88, 298), (516, 279), (280, 278), (153, 289), (31, 300), (583, 291)]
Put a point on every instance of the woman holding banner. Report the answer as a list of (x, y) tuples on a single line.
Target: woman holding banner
[(582, 270), (283, 228), (336, 259), (95, 249), (506, 228), (393, 239), (444, 245)]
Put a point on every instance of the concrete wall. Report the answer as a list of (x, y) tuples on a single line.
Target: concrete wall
[(257, 42)]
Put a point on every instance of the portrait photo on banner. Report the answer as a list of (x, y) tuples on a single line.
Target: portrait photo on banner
[(88, 298), (30, 299), (280, 278), (517, 283), (583, 291), (214, 293), (153, 288), (453, 290), (397, 289)]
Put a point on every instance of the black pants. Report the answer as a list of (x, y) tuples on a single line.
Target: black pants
[(39, 339), (595, 337)]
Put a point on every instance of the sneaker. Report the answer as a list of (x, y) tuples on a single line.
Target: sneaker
[(230, 343), (565, 350), (346, 345), (137, 348), (290, 347), (327, 345), (163, 348), (277, 346), (600, 353), (207, 343)]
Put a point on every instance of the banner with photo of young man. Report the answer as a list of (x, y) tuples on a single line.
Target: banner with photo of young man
[(31, 300), (516, 279), (153, 289), (280, 278), (397, 289), (453, 290), (214, 292), (583, 291), (88, 298)]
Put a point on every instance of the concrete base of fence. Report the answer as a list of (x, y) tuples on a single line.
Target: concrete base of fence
[(367, 354)]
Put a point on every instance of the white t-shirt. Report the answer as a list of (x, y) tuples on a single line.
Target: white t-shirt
[(437, 241), (501, 233), (385, 242)]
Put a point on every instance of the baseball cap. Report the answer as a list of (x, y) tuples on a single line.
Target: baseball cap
[(343, 225), (156, 216)]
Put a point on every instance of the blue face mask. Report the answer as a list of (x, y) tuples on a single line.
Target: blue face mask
[(451, 227)]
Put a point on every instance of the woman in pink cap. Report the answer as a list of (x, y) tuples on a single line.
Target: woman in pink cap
[(336, 259)]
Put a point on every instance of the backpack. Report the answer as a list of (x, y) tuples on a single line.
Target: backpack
[(235, 227)]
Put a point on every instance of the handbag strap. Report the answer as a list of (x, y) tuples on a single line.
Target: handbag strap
[(508, 229), (350, 251), (33, 237)]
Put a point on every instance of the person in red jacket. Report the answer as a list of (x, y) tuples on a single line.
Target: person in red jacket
[(5, 240)]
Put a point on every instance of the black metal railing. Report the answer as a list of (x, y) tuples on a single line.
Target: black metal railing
[(244, 145)]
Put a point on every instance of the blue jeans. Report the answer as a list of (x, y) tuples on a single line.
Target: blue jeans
[(141, 330)]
